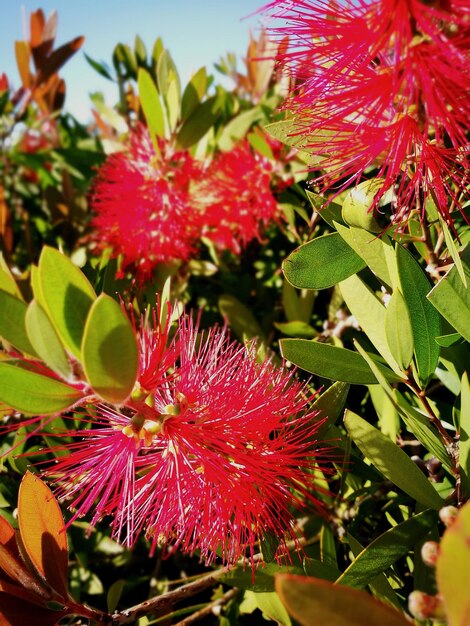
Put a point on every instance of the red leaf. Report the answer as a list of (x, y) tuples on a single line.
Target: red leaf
[(13, 569), (36, 25), (14, 612), (57, 58), (43, 532)]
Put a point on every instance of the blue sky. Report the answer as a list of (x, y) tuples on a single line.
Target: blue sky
[(195, 33)]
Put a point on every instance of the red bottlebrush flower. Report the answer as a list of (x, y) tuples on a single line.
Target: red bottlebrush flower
[(217, 455), (4, 84), (385, 84), (143, 204), (236, 198)]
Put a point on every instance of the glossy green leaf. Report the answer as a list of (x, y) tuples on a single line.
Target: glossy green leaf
[(297, 329), (242, 578), (376, 252), (371, 315), (197, 124), (298, 304), (7, 282), (464, 446), (109, 348), (193, 93), (387, 549), (167, 73), (12, 322), (66, 296), (391, 461), (46, 342), (329, 212), (452, 299), (33, 393), (389, 420), (425, 320), (357, 205), (291, 134), (321, 263), (330, 404), (398, 330), (315, 602), (172, 105), (151, 103), (332, 362), (453, 251), (453, 569)]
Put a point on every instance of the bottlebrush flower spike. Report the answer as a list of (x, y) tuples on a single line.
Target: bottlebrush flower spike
[(215, 456), (236, 198), (384, 84), (143, 204)]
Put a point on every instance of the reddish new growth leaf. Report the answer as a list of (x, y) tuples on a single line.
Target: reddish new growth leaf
[(215, 453), (383, 84)]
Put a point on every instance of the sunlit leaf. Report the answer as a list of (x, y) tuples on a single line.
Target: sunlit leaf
[(151, 103), (12, 322), (43, 532)]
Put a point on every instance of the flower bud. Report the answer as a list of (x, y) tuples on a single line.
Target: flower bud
[(448, 514), (424, 606), (429, 553)]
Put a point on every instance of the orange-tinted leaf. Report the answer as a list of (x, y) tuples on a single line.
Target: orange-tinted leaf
[(14, 611), (21, 592), (317, 602), (7, 536), (43, 532), (22, 53), (6, 232), (57, 58), (37, 22)]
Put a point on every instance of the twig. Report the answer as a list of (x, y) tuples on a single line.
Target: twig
[(207, 610)]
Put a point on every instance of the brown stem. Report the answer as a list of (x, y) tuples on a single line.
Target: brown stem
[(420, 393), (207, 610)]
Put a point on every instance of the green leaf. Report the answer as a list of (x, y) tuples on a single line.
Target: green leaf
[(321, 263), (167, 73), (101, 68), (197, 124), (66, 296), (34, 394), (315, 602), (264, 580), (391, 461), (330, 404), (332, 362), (330, 212), (151, 103), (425, 320), (289, 133), (453, 568), (241, 320), (173, 104), (7, 282), (387, 549), (371, 315), (296, 329), (453, 251), (193, 93), (357, 205), (12, 322), (398, 330), (464, 447), (109, 347), (377, 253), (238, 127), (45, 340), (452, 299), (298, 305)]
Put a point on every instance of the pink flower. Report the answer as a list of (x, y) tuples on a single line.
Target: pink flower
[(383, 84), (143, 205), (213, 457), (236, 198)]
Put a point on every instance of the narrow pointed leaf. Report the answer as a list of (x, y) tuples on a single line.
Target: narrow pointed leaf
[(398, 330), (391, 461), (316, 602), (43, 532), (464, 448), (330, 404), (45, 340), (151, 103), (321, 263), (332, 362), (425, 320), (34, 394), (66, 295), (197, 124), (109, 348), (387, 549)]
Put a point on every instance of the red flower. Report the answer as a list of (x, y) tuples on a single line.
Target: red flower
[(236, 198), (217, 454), (143, 204), (386, 84)]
